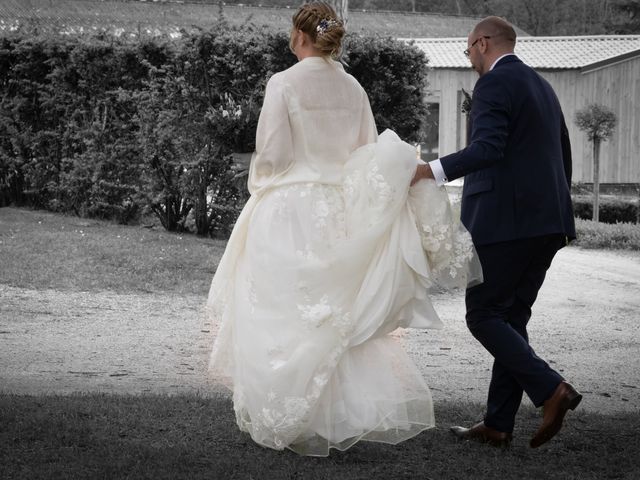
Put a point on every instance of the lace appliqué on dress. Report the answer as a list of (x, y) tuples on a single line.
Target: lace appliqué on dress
[(447, 243), (367, 190)]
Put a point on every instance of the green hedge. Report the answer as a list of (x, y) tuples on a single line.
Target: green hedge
[(67, 133), (612, 210), (625, 236), (110, 128)]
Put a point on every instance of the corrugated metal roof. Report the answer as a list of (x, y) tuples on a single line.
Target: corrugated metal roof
[(539, 52)]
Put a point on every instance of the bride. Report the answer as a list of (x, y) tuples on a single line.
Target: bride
[(332, 252)]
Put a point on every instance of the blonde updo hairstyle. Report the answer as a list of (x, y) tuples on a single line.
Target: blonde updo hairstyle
[(327, 40)]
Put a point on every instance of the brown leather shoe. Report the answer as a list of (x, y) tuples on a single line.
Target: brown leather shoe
[(483, 434), (564, 398)]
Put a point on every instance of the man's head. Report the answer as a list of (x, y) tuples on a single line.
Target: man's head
[(488, 41)]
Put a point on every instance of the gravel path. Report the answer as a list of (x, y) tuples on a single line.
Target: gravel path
[(586, 323)]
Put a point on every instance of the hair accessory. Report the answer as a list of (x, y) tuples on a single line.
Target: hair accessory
[(325, 25)]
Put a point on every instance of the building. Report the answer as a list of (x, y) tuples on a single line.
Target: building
[(582, 70)]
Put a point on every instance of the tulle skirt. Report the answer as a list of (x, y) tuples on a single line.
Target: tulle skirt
[(314, 279)]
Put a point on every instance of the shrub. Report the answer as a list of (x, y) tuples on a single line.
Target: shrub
[(604, 235), (196, 110), (100, 175), (611, 210), (107, 128), (67, 141), (394, 76), (30, 153)]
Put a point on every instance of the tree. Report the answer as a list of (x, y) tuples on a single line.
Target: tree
[(598, 122), (342, 9), (629, 20)]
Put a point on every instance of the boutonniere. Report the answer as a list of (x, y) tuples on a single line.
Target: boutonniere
[(466, 103)]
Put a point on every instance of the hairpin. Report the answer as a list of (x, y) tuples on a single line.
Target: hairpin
[(325, 25)]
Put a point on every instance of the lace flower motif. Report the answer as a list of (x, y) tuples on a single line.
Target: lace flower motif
[(379, 185), (446, 242), (315, 315)]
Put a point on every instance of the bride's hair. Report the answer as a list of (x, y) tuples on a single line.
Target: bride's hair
[(320, 22)]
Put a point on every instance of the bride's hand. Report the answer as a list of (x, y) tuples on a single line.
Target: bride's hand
[(422, 171)]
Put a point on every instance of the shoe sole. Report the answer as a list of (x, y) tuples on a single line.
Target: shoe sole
[(555, 427)]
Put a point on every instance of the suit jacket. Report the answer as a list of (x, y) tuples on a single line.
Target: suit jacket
[(517, 166)]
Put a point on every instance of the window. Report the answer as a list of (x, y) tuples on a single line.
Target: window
[(430, 146)]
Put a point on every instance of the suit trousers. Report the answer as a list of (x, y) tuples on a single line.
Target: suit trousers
[(498, 312)]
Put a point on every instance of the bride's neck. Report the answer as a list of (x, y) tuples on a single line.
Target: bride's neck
[(308, 51)]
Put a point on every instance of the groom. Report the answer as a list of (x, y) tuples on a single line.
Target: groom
[(517, 206)]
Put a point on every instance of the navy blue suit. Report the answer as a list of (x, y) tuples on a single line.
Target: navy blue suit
[(516, 203)]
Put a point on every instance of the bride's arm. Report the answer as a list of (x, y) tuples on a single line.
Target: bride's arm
[(274, 143)]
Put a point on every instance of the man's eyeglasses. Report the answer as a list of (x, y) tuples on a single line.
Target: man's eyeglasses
[(467, 52)]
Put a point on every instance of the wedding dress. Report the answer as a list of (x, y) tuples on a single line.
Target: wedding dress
[(332, 252)]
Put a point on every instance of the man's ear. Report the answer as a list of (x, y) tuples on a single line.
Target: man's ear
[(484, 45)]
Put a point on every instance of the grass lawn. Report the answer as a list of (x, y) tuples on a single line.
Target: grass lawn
[(160, 437), (154, 436), (42, 250), (133, 17)]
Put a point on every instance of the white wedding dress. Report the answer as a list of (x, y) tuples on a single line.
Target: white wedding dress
[(332, 253)]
